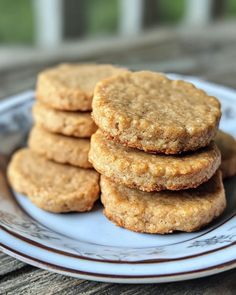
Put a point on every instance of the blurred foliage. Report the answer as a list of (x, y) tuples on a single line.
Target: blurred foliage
[(102, 16), (230, 8), (17, 24), (171, 11), (16, 21)]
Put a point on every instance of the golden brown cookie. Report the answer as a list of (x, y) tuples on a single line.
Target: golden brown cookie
[(78, 124), (166, 211), (146, 110), (70, 86), (227, 146), (149, 172), (51, 186), (60, 148)]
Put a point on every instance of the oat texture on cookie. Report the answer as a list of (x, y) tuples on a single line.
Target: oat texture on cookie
[(152, 172), (148, 111), (165, 211), (51, 186), (60, 148), (70, 86), (77, 124)]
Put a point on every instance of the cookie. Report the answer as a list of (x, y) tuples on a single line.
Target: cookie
[(51, 186), (78, 124), (146, 110), (227, 146), (70, 86), (60, 148), (166, 211), (149, 172)]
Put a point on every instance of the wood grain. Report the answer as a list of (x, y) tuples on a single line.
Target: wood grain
[(9, 264)]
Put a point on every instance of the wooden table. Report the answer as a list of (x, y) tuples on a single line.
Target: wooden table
[(209, 53)]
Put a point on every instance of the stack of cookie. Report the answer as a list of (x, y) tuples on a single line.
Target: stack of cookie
[(54, 172), (155, 151)]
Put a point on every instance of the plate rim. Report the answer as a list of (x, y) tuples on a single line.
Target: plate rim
[(164, 278), (97, 260)]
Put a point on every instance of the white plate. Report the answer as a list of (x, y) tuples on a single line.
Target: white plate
[(88, 246)]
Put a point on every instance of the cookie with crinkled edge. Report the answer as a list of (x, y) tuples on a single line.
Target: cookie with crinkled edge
[(149, 172), (166, 211), (70, 87), (227, 146), (60, 148), (51, 186), (78, 124), (148, 111)]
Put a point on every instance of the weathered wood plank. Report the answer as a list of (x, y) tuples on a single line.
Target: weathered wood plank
[(37, 281), (9, 264)]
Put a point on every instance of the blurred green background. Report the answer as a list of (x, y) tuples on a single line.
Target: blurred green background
[(17, 17), (16, 21)]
